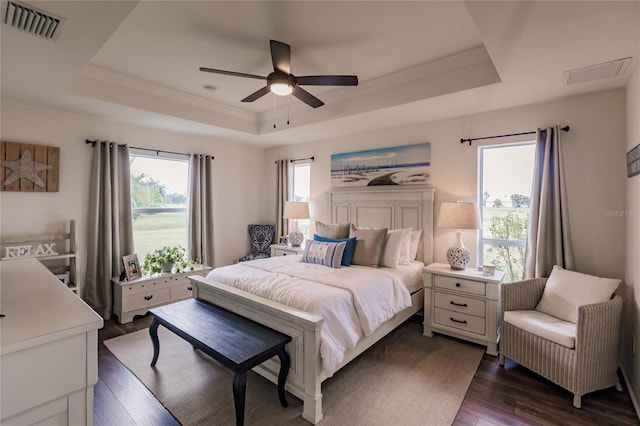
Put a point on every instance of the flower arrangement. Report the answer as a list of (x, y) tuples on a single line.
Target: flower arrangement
[(166, 259)]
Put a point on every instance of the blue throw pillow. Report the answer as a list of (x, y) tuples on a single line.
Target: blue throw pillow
[(349, 249)]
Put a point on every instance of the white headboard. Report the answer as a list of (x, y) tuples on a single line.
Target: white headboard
[(391, 208)]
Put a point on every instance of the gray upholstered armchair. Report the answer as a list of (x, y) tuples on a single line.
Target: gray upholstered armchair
[(586, 360)]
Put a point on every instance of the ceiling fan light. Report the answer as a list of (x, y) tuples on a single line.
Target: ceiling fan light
[(281, 89)]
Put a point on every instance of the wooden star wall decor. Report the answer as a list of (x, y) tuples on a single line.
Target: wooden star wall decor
[(29, 168)]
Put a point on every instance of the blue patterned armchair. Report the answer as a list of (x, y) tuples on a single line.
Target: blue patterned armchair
[(260, 238)]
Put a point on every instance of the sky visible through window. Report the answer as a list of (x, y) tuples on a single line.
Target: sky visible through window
[(173, 174), (516, 162)]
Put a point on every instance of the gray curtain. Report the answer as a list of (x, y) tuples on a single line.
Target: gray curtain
[(109, 225), (549, 239), (282, 196), (200, 240)]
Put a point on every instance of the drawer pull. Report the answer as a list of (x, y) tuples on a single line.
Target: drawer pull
[(284, 254), (149, 297), (458, 321), (458, 285), (462, 305), (189, 288)]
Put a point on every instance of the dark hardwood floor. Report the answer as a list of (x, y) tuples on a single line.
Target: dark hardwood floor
[(497, 396)]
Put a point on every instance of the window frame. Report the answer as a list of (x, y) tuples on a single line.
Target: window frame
[(161, 155), (482, 241), (294, 164)]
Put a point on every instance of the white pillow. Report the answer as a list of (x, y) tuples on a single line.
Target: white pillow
[(566, 290), (391, 249), (405, 247), (415, 242)]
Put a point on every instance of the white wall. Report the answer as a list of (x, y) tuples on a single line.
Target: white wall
[(596, 143), (237, 168), (631, 314)]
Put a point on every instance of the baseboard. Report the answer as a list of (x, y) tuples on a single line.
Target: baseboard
[(631, 392)]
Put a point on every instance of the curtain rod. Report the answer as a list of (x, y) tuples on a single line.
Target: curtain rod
[(565, 129), (301, 159), (157, 151)]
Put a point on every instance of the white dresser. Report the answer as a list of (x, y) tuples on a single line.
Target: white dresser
[(463, 304), (137, 297), (48, 349)]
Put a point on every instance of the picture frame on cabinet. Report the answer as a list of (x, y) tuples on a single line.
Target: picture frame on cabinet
[(131, 267)]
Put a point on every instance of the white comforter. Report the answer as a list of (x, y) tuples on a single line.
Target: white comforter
[(353, 301)]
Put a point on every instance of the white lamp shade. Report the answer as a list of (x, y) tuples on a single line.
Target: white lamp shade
[(296, 210), (459, 215)]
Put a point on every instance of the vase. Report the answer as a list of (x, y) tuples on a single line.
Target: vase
[(167, 267)]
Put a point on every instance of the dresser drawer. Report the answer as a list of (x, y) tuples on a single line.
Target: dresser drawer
[(460, 321), (462, 304), (182, 291), (457, 284), (147, 285), (142, 300)]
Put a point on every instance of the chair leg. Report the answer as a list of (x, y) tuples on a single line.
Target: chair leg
[(618, 385), (501, 360), (577, 401)]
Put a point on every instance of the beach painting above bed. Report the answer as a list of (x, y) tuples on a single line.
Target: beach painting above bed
[(398, 165)]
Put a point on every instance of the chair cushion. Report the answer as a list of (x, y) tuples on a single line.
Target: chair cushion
[(349, 248), (332, 231), (566, 290), (369, 244), (323, 253), (261, 238), (253, 257), (545, 326)]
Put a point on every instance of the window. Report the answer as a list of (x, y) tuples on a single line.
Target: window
[(506, 174), (158, 202), (301, 190)]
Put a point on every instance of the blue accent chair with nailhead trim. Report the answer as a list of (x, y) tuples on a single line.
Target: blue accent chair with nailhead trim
[(260, 238)]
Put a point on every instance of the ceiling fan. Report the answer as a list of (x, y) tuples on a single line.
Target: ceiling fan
[(281, 82)]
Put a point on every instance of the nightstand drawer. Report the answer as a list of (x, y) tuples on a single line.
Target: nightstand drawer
[(285, 252), (462, 304), (142, 300), (460, 321), (458, 284)]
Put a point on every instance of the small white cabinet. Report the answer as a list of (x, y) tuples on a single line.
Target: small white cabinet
[(463, 304), (137, 297), (285, 250)]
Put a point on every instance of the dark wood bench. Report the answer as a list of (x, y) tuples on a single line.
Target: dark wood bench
[(236, 342)]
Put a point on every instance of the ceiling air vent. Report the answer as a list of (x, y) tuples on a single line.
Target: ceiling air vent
[(596, 72), (32, 20)]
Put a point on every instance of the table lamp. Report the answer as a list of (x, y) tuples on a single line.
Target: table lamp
[(296, 210), (459, 215)]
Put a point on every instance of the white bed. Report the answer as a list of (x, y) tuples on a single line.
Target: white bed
[(318, 348)]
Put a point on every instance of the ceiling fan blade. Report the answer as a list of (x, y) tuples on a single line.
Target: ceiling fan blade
[(236, 74), (280, 56), (328, 80), (257, 94), (307, 97)]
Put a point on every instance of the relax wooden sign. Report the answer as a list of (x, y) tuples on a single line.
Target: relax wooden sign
[(30, 250), (29, 168)]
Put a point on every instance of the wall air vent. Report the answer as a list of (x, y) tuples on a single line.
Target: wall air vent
[(32, 20), (596, 72)]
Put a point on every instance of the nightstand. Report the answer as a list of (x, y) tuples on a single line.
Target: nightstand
[(285, 250), (463, 304)]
